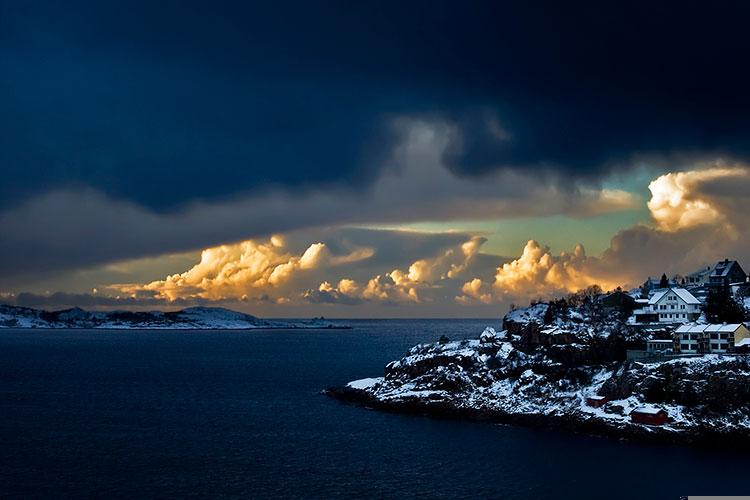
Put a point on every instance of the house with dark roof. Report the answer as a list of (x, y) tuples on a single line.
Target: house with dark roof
[(617, 301), (727, 272)]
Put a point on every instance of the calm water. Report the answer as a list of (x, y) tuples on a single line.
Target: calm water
[(238, 414)]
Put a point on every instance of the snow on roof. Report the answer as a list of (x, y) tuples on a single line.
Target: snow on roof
[(596, 398), (659, 340), (714, 327), (742, 343), (723, 267), (656, 297), (683, 294), (649, 410), (732, 327)]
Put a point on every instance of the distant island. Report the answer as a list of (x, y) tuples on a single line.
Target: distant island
[(654, 363), (193, 318)]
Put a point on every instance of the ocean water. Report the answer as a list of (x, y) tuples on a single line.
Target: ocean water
[(239, 414)]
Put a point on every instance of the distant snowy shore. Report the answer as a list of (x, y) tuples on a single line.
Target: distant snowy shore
[(193, 318), (566, 371)]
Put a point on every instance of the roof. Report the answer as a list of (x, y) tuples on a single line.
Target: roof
[(683, 294), (715, 327), (690, 329), (724, 267), (731, 327), (742, 343), (596, 398), (647, 410), (659, 340)]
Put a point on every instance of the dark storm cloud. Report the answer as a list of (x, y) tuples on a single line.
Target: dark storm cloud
[(164, 103)]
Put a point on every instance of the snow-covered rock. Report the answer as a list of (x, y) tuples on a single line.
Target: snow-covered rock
[(499, 378)]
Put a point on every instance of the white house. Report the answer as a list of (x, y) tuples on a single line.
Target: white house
[(688, 338), (721, 338), (674, 305), (713, 338)]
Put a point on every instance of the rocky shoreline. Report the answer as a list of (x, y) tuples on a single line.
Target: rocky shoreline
[(709, 438), (545, 370)]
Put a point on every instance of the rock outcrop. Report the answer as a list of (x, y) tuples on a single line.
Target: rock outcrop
[(530, 374)]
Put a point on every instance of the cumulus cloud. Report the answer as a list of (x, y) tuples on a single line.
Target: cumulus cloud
[(539, 273), (243, 270), (422, 281), (699, 216), (678, 200)]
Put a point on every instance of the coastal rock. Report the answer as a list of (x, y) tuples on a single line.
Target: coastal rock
[(502, 376)]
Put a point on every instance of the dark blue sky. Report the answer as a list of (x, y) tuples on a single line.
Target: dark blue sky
[(142, 100), (135, 133)]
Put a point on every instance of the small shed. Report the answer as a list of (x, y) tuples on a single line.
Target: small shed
[(649, 416), (596, 401)]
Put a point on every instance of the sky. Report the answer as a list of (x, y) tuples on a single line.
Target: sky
[(366, 159)]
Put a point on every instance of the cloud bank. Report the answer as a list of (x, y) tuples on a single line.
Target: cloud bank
[(66, 230), (697, 217)]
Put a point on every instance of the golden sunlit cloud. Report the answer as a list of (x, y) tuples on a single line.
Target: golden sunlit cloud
[(678, 203), (684, 206), (406, 286), (242, 270), (538, 272)]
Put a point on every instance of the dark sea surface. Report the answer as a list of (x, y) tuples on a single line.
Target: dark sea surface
[(239, 414)]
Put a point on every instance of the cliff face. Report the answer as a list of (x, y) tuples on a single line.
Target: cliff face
[(533, 374)]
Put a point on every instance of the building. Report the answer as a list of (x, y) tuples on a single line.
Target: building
[(727, 272), (669, 305), (721, 338), (653, 284), (617, 301), (656, 346), (596, 401), (698, 278), (688, 338), (649, 416), (711, 338)]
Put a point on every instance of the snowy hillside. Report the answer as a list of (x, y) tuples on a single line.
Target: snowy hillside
[(543, 374), (194, 318)]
